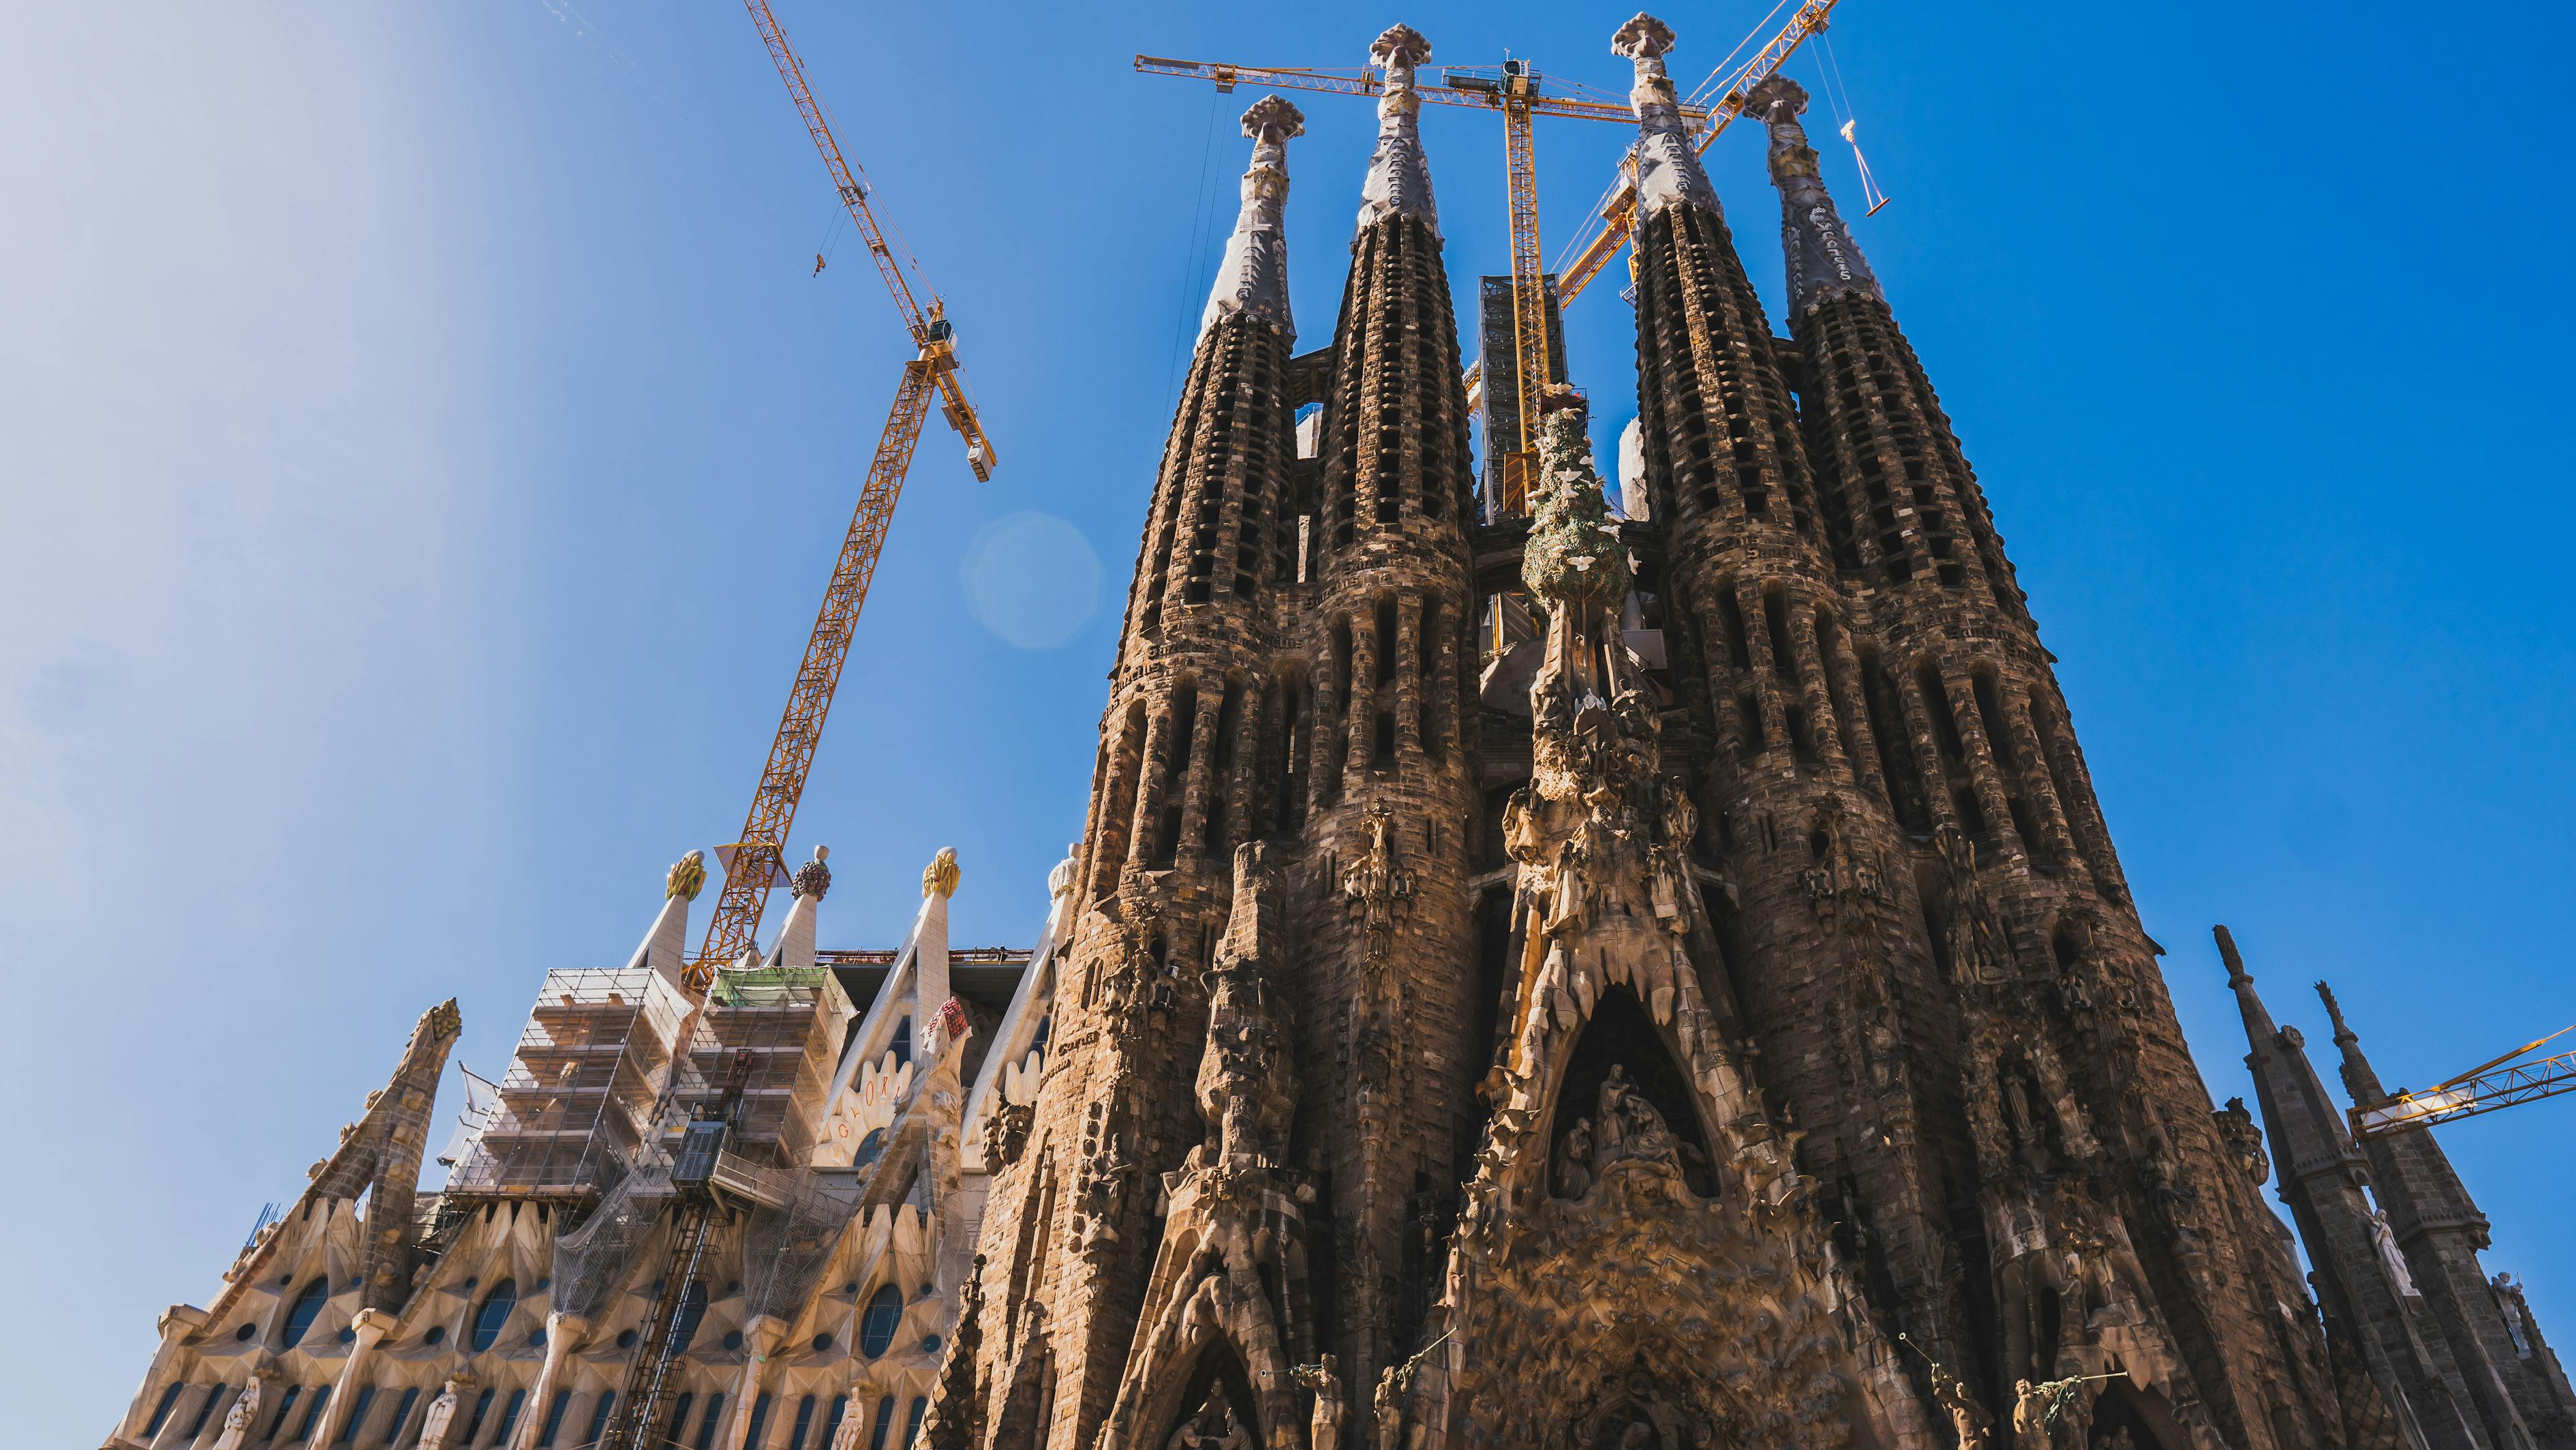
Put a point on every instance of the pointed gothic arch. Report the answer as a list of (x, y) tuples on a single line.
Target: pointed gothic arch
[(1620, 1033)]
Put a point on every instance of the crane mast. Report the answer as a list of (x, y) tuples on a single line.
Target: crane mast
[(755, 863)]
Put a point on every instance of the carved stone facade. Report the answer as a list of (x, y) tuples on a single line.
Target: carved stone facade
[(1579, 981), (1595, 981)]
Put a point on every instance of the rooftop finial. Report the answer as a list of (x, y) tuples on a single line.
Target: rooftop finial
[(686, 878), (1399, 178), (1252, 281), (2343, 1031), (814, 878), (1668, 169), (942, 874), (2237, 976), (1824, 262)]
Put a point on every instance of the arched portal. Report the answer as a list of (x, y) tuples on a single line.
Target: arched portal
[(2128, 1418), (1215, 1400), (1621, 1037)]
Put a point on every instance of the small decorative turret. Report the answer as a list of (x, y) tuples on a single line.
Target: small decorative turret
[(1399, 178), (1668, 167), (1823, 260), (1252, 281)]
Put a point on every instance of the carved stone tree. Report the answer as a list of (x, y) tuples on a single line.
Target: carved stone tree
[(1638, 1262)]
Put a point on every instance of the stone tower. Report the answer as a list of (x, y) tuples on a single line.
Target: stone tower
[(1563, 980), (2420, 1336)]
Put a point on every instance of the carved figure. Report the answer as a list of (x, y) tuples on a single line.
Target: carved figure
[(1324, 1377), (2030, 1408), (1386, 1408), (2384, 1240), (1968, 1419), (1378, 889), (433, 1425), (245, 1412), (847, 1436), (1574, 1160)]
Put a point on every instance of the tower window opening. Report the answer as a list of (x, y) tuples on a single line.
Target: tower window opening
[(1749, 738), (1383, 755), (1738, 650), (1990, 713), (1972, 813), (1775, 622), (1936, 704)]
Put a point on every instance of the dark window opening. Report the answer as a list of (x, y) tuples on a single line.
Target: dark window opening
[(1972, 813), (1383, 755), (1990, 713), (1748, 713), (1936, 704), (1775, 622), (1738, 651)]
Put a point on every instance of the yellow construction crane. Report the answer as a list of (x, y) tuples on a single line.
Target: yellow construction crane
[(1512, 88), (1600, 238), (2482, 1089), (753, 864)]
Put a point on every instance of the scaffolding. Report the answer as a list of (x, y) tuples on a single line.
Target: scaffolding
[(584, 1090), (1506, 465), (790, 1019)]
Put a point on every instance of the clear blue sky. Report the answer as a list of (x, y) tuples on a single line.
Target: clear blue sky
[(425, 446)]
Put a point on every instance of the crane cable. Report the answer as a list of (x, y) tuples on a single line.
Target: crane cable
[(1829, 75), (1188, 270)]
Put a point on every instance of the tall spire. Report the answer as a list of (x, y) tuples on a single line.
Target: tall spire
[(2359, 1078), (1824, 262), (1668, 169), (1252, 281), (1399, 179)]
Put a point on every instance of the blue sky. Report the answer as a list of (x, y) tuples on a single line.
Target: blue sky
[(425, 447)]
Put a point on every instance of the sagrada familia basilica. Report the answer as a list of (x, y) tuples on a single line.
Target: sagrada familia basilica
[(1533, 975)]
